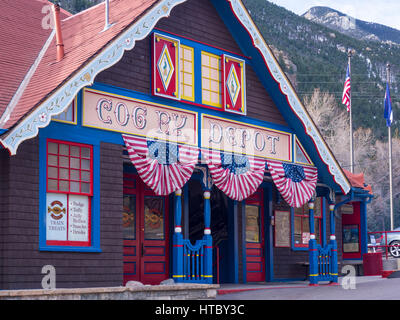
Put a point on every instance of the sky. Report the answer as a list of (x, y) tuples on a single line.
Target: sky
[(386, 12)]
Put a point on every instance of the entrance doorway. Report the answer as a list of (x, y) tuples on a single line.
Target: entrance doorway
[(255, 240), (145, 232)]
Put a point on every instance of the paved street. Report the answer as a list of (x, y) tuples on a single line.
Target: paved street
[(364, 288)]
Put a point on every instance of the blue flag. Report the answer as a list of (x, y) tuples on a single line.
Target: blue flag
[(388, 107)]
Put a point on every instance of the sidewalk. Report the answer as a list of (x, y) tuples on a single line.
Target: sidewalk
[(227, 288)]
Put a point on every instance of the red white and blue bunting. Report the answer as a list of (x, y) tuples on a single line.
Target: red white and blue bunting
[(238, 176), (164, 167), (295, 183)]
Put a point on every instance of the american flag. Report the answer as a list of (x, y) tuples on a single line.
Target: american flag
[(236, 184), (163, 172), (347, 90), (295, 183)]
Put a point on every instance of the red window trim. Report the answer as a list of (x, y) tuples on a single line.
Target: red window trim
[(90, 193), (68, 193)]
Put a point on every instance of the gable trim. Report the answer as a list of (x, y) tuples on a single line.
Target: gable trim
[(59, 101), (286, 88)]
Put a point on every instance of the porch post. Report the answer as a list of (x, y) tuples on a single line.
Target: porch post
[(333, 243), (177, 241), (208, 248), (312, 247)]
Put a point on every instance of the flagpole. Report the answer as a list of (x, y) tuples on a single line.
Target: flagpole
[(351, 122), (390, 160)]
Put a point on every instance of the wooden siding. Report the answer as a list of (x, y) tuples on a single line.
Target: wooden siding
[(197, 20), (287, 262), (21, 261)]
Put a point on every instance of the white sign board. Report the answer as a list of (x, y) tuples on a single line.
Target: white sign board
[(78, 218), (56, 217)]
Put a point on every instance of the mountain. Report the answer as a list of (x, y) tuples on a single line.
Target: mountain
[(312, 50), (351, 26), (315, 56)]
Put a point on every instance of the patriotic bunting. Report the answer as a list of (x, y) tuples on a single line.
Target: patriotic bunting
[(295, 183), (164, 167), (238, 176)]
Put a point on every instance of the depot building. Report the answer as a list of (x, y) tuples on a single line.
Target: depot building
[(161, 140)]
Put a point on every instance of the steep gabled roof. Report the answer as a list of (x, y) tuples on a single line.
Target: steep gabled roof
[(83, 36), (89, 50), (23, 33)]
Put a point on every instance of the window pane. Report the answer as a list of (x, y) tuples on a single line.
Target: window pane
[(64, 149), (64, 186), (154, 218), (129, 217), (252, 223), (52, 184), (297, 230), (75, 175), (64, 174), (52, 160), (85, 176), (85, 187), (64, 162), (74, 186), (75, 163), (85, 153), (52, 172), (52, 147), (85, 164), (75, 151)]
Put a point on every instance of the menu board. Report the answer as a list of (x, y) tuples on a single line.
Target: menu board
[(282, 228), (78, 222)]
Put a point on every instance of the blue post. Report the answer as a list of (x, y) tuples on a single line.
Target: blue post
[(333, 243), (177, 240), (312, 247), (208, 246)]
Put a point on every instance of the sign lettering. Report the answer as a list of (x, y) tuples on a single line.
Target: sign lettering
[(242, 138), (137, 117)]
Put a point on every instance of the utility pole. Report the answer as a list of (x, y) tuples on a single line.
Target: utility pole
[(390, 159)]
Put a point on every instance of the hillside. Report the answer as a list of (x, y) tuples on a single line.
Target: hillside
[(315, 56), (352, 27), (318, 59)]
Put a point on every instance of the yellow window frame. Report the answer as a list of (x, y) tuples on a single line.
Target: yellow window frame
[(186, 72), (210, 78)]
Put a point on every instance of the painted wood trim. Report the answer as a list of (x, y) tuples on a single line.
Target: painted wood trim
[(110, 55), (244, 18)]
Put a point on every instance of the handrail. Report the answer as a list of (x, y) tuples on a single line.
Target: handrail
[(193, 260)]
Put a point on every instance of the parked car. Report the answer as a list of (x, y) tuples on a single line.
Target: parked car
[(393, 241)]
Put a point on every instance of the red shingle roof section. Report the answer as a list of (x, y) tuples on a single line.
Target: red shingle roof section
[(83, 37), (357, 180), (21, 39)]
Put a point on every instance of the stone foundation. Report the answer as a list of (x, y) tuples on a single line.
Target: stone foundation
[(160, 292)]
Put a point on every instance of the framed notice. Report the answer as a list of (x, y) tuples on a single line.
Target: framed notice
[(67, 219), (282, 229)]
